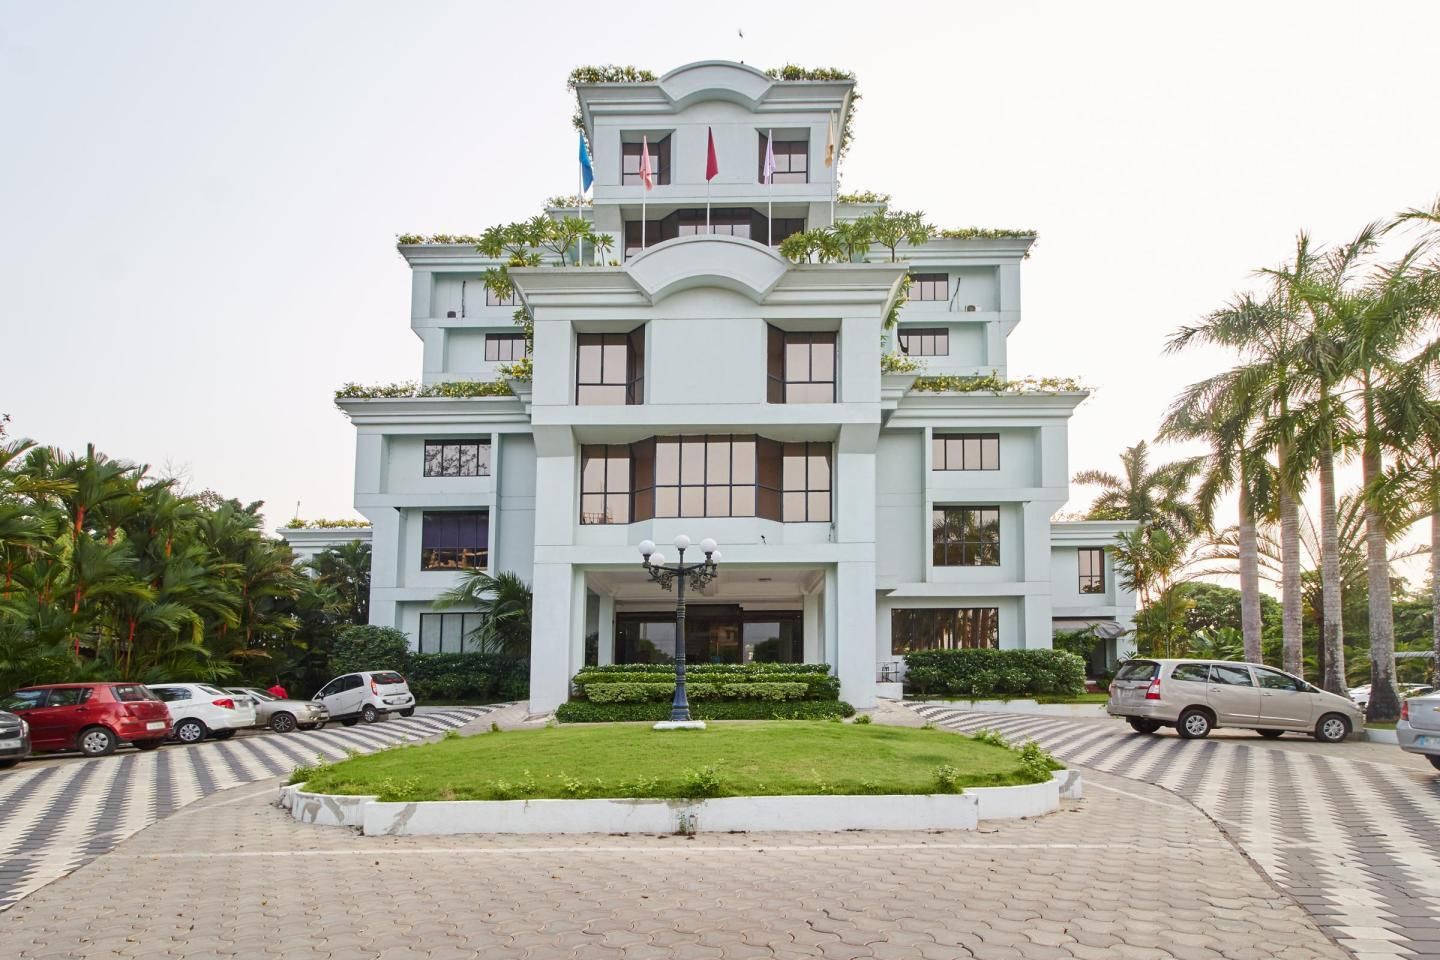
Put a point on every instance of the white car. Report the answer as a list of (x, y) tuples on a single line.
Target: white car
[(1361, 694), (368, 695), (198, 710)]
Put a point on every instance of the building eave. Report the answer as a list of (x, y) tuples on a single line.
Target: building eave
[(1088, 533), (394, 411), (446, 256)]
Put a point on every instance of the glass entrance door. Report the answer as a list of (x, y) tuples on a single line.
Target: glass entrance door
[(714, 633)]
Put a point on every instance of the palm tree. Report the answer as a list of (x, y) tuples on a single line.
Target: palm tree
[(1153, 564), (346, 570), (504, 602), (1158, 498)]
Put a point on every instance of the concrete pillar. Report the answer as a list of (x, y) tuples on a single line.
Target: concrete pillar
[(811, 627), (576, 633), (829, 620), (550, 635), (855, 586), (606, 629)]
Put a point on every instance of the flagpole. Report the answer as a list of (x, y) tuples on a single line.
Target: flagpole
[(770, 211), (834, 175)]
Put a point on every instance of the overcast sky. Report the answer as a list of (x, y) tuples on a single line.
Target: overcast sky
[(198, 201)]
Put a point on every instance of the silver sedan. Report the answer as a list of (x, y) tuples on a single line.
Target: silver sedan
[(282, 716), (1419, 728)]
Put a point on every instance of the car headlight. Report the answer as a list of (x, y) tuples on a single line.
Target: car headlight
[(24, 728)]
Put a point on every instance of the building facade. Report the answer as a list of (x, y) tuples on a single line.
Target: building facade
[(705, 385)]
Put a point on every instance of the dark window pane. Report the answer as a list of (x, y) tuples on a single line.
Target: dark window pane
[(432, 459)]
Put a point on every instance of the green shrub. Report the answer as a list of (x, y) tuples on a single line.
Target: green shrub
[(863, 718), (704, 782), (995, 673), (815, 678), (580, 711), (365, 647), (467, 676), (697, 668), (658, 692)]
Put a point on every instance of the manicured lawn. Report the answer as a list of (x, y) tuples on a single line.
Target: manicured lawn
[(737, 758)]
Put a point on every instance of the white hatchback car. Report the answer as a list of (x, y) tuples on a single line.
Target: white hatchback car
[(198, 710), (367, 695)]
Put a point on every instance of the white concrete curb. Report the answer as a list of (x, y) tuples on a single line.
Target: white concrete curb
[(1027, 707), (1382, 736), (936, 811)]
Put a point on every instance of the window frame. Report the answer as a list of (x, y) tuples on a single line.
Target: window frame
[(607, 452), (923, 288), (659, 160), (465, 630), (969, 628), (971, 550), (633, 384), (943, 444), (789, 149), (481, 463), (475, 557), (1216, 668), (919, 334), (505, 343), (808, 494), (778, 372), (491, 300), (1093, 582)]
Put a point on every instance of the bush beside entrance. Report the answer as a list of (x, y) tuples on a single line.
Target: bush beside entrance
[(453, 677), (717, 691), (995, 674)]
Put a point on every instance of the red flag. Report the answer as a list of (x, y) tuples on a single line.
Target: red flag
[(712, 165)]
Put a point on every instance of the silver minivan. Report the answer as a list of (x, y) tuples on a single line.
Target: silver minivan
[(1196, 696)]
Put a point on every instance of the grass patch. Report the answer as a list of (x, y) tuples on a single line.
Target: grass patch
[(728, 759)]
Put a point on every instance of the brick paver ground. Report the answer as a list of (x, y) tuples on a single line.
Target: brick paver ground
[(1132, 872)]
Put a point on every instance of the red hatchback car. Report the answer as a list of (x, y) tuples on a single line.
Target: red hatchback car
[(93, 718)]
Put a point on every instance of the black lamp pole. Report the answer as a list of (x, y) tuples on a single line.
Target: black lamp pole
[(678, 574)]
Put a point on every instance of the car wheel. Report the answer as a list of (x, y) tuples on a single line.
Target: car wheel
[(98, 742), (1332, 728), (1194, 724), (408, 712), (190, 731), (1270, 734), (7, 764), (1143, 724), (1434, 760), (369, 714), (282, 722), (349, 721), (147, 744)]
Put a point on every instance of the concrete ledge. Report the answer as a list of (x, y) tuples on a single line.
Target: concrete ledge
[(942, 811), (1028, 707), (1382, 736)]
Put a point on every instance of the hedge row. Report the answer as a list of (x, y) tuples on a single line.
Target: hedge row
[(657, 692), (579, 711), (819, 686), (467, 676), (741, 668), (995, 673)]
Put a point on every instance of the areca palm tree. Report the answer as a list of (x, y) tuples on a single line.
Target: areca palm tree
[(1158, 497), (504, 602)]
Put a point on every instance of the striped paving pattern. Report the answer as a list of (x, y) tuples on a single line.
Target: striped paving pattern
[(57, 816), (1356, 843)]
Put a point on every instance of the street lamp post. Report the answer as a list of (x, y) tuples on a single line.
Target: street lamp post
[(678, 574)]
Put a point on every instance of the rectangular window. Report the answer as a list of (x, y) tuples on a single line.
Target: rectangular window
[(782, 227), (633, 237), (806, 483), (448, 632), (454, 539), (457, 458), (929, 286), (792, 161), (800, 367), (506, 347), (659, 162), (708, 476), (605, 483), (961, 628), (610, 368), (965, 451), (491, 300), (1092, 569), (933, 342), (966, 536)]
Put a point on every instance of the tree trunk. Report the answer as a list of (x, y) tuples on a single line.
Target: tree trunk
[(1250, 624), (1332, 627), (1435, 581), (1291, 601), (1384, 704)]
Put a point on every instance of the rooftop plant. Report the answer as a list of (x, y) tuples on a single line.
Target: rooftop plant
[(793, 71), (864, 196), (407, 389), (324, 524), (567, 200), (998, 384), (605, 73), (406, 239), (982, 233), (899, 363)]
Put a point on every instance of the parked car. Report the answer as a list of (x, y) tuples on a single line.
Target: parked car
[(368, 695), (1418, 729), (1361, 694), (280, 715), (199, 710), (1196, 696), (14, 740), (94, 718)]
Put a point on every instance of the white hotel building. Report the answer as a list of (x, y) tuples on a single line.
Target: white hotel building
[(707, 386)]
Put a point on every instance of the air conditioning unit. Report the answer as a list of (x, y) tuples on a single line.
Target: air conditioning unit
[(450, 314), (971, 308)]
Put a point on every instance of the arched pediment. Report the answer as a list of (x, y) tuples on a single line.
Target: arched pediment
[(731, 263), (715, 80)]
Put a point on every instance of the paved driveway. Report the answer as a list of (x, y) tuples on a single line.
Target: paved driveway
[(57, 813), (1352, 832)]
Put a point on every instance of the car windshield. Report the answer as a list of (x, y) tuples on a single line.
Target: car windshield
[(1138, 670), (387, 677), (132, 693), (209, 690), (257, 694), (22, 700)]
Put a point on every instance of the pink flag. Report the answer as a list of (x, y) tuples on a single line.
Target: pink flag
[(646, 176)]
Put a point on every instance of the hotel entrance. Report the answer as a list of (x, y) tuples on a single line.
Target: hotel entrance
[(714, 633)]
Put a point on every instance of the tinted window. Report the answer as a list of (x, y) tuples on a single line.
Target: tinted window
[(1137, 670), (1275, 680), (22, 700), (1230, 676), (171, 694), (68, 697), (387, 677), (351, 682), (1194, 672), (131, 693)]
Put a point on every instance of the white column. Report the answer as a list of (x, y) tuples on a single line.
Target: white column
[(550, 636), (811, 626), (855, 586), (577, 626), (606, 654), (830, 620)]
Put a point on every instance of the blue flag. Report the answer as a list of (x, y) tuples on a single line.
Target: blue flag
[(587, 172)]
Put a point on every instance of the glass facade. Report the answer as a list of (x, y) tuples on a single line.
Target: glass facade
[(792, 161), (1092, 569), (457, 458), (965, 451), (929, 286), (448, 632), (959, 628), (929, 342), (966, 536), (506, 346), (659, 162), (610, 368), (800, 367), (714, 633), (454, 539)]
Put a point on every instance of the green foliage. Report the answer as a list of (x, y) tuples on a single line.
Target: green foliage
[(983, 233), (988, 673), (1079, 642), (864, 196), (899, 363), (581, 711), (947, 779), (717, 680), (504, 602), (467, 677), (997, 384), (648, 692), (694, 669), (1036, 763), (323, 524), (791, 71), (449, 239), (368, 647), (567, 201), (605, 73), (705, 782), (454, 389), (863, 718), (993, 737)]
